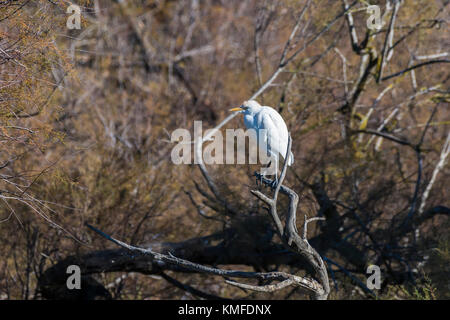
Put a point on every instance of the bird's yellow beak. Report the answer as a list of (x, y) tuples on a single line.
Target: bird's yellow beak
[(236, 109)]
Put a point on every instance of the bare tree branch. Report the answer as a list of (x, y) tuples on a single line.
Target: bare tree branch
[(439, 166), (388, 39), (304, 282), (289, 235)]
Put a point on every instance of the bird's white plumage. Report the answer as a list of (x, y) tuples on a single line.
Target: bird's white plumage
[(274, 139)]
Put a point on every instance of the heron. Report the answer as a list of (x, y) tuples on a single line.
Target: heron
[(271, 131)]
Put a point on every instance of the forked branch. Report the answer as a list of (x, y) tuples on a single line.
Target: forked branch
[(283, 277), (289, 234)]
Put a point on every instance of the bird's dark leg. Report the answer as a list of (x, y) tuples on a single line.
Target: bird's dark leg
[(268, 166), (259, 181), (261, 175), (274, 182), (269, 171)]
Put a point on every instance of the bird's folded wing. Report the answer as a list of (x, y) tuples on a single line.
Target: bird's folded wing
[(277, 133), (271, 134)]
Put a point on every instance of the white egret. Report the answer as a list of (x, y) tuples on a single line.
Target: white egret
[(274, 139)]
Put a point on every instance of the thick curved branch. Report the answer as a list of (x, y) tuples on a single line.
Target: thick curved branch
[(304, 282), (289, 235)]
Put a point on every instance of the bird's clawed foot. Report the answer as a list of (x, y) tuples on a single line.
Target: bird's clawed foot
[(273, 184)]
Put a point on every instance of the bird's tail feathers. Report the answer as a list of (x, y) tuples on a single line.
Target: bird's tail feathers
[(291, 159)]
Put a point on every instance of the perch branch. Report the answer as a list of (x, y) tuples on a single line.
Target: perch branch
[(289, 235)]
